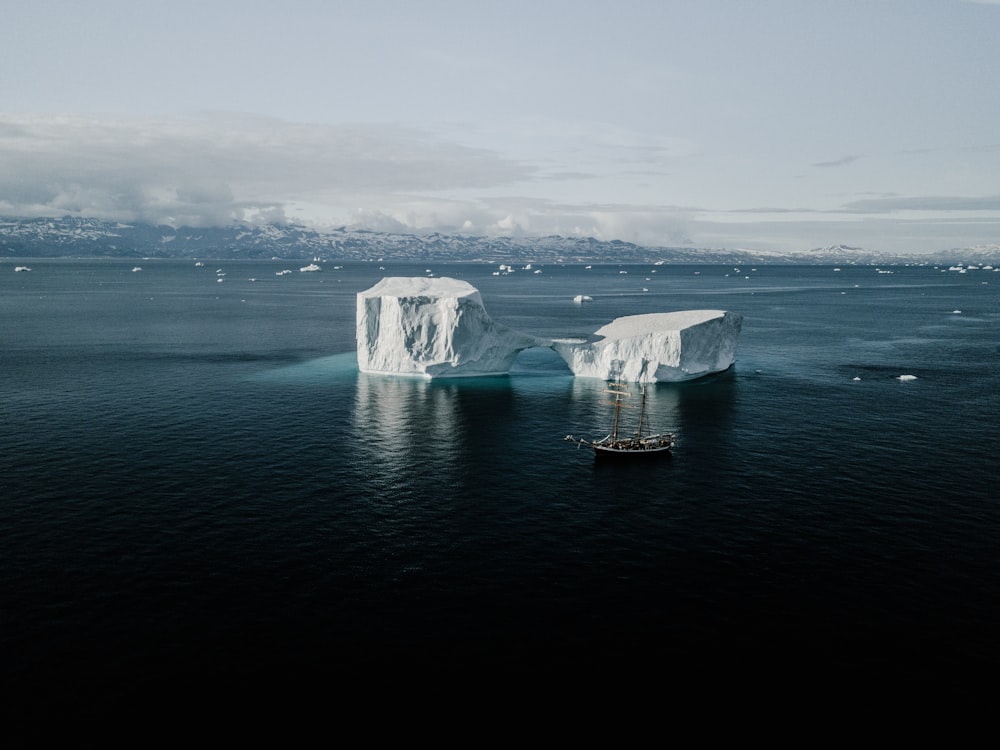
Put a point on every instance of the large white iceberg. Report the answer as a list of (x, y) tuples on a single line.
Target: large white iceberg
[(435, 327), (657, 347), (438, 327)]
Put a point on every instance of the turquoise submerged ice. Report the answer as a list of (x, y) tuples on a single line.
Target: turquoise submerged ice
[(438, 327)]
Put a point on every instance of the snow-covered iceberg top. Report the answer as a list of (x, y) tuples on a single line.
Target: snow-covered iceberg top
[(657, 347), (438, 327)]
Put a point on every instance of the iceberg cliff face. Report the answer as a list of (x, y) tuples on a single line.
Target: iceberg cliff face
[(658, 347), (438, 327), (435, 327)]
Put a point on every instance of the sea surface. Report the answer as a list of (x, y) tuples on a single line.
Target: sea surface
[(200, 495)]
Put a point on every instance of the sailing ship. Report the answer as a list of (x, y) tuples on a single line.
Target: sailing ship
[(618, 444)]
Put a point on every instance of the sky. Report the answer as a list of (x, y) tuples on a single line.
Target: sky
[(781, 125)]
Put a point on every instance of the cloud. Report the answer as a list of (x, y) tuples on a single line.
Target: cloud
[(223, 168), (842, 161), (925, 203), (515, 216), (589, 180)]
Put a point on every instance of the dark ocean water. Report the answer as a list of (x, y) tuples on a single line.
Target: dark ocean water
[(201, 494)]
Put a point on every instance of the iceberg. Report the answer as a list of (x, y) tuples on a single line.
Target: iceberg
[(438, 327), (435, 327), (657, 347)]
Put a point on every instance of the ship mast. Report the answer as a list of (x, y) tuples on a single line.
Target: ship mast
[(642, 405), (642, 411), (618, 411), (618, 388)]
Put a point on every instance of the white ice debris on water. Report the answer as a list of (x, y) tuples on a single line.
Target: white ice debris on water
[(435, 327), (310, 268), (438, 327), (904, 378), (658, 347), (581, 298)]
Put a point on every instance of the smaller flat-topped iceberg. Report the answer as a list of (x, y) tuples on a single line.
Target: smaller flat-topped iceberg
[(435, 327), (657, 347)]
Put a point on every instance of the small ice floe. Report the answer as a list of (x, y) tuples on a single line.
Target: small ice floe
[(855, 378), (220, 280), (199, 263), (285, 272), (904, 378), (136, 269), (20, 269), (956, 312), (581, 298), (311, 267)]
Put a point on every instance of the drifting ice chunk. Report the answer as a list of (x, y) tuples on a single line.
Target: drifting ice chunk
[(658, 346), (435, 327)]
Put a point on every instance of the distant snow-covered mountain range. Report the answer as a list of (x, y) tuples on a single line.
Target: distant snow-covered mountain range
[(83, 237)]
